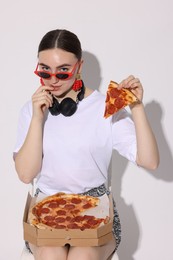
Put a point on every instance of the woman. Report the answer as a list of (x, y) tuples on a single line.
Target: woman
[(64, 141)]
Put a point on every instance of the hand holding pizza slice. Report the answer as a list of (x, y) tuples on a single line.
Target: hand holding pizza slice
[(117, 99)]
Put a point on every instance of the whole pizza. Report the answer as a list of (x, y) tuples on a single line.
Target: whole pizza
[(65, 211)]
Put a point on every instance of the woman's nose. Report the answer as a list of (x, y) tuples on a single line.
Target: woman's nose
[(54, 79)]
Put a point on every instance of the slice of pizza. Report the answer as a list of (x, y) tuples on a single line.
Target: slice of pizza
[(64, 211), (117, 99)]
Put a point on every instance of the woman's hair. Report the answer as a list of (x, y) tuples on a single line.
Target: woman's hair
[(61, 39)]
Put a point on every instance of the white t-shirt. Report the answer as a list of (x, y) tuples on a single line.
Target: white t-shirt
[(77, 150)]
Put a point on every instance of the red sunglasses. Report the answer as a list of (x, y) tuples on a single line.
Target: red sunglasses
[(59, 75)]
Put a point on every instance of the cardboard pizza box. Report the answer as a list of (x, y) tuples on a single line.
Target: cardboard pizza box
[(61, 237)]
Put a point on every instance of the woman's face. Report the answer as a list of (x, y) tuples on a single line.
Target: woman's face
[(56, 61)]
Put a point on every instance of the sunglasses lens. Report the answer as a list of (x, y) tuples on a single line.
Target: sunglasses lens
[(43, 75), (62, 76)]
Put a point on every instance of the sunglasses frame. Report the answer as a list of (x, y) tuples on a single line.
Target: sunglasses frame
[(69, 74)]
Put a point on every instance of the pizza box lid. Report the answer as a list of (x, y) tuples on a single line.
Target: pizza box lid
[(60, 237)]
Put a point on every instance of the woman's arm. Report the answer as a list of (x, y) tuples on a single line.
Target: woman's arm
[(28, 160), (147, 150)]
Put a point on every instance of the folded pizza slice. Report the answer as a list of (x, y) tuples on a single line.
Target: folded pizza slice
[(117, 99)]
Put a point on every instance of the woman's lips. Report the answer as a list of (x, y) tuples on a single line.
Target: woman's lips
[(55, 88)]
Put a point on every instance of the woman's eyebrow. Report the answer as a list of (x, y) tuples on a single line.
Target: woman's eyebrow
[(60, 66), (42, 64), (63, 65)]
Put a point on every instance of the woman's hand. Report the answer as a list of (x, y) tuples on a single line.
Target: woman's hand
[(134, 85), (41, 100)]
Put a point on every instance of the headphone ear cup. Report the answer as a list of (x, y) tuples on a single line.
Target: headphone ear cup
[(55, 108), (68, 107)]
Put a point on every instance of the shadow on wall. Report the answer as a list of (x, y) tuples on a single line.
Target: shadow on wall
[(164, 172), (91, 75), (129, 223), (130, 226)]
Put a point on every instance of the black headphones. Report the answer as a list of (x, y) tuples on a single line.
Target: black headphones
[(68, 106)]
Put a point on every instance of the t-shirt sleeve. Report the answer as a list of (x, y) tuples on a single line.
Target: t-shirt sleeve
[(23, 126), (124, 135)]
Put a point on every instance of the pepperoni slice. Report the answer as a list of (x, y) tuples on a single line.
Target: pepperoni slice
[(50, 224), (44, 210), (73, 226), (61, 202), (77, 219), (69, 206), (61, 212), (111, 109), (114, 92), (93, 222), (119, 103), (60, 220), (76, 200), (87, 206), (53, 204), (49, 218)]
